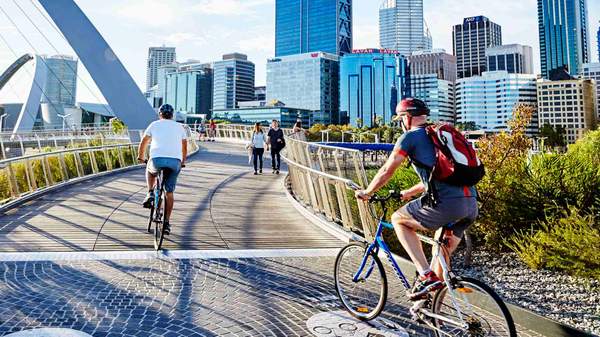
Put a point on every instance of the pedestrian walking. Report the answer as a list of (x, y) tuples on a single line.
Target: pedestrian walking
[(212, 130), (298, 132), (258, 142), (276, 142), (202, 131)]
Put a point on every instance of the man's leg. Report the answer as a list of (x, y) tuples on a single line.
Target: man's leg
[(150, 180), (453, 242), (170, 202), (405, 227), (278, 159), (273, 155)]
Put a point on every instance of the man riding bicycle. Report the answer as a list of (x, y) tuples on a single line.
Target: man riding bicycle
[(168, 151), (440, 205)]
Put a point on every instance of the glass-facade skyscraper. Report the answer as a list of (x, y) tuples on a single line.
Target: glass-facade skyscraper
[(60, 88), (306, 81), (372, 82), (563, 35), (303, 26), (402, 26), (470, 40), (157, 57), (190, 89), (489, 99), (514, 58), (233, 81)]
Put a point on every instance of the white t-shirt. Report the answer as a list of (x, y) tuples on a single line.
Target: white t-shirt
[(166, 138)]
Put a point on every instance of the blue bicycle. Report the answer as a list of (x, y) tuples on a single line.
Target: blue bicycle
[(463, 307)]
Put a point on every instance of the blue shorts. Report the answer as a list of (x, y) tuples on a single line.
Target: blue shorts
[(172, 166)]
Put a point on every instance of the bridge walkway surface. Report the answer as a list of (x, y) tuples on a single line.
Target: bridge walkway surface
[(254, 266)]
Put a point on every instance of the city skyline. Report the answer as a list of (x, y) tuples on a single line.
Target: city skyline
[(131, 28)]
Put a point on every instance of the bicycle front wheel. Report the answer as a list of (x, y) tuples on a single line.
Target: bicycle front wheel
[(365, 298), (483, 311)]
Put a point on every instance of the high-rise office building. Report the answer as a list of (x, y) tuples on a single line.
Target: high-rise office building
[(489, 100), (303, 26), (306, 81), (598, 39), (233, 81), (514, 58), (402, 26), (60, 88), (372, 82), (432, 77), (591, 71), (157, 56), (437, 93), (570, 104), (433, 62), (469, 41), (563, 35), (189, 89), (260, 93)]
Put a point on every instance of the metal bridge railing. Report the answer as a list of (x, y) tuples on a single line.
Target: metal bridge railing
[(320, 176), (22, 176)]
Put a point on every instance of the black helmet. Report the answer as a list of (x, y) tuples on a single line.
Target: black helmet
[(166, 111), (413, 107)]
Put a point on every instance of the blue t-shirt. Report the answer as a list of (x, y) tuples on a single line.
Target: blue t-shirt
[(417, 145)]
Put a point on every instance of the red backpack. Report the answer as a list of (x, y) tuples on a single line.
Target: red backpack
[(457, 163)]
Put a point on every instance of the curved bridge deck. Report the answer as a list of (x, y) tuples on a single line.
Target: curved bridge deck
[(220, 204)]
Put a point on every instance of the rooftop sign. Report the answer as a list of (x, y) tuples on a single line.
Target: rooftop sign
[(375, 51)]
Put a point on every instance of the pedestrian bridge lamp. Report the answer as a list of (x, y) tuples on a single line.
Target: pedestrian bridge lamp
[(64, 117), (347, 132)]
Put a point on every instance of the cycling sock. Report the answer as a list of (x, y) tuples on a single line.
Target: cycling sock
[(425, 272)]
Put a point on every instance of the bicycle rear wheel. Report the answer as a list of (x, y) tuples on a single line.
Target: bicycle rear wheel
[(365, 298), (159, 230), (482, 309)]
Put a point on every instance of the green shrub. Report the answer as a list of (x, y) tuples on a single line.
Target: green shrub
[(4, 187), (569, 243)]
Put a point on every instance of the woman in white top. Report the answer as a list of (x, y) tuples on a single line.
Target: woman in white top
[(258, 142)]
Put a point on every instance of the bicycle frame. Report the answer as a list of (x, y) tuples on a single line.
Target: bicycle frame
[(379, 243)]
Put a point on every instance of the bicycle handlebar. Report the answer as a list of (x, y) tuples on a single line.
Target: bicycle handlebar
[(391, 193)]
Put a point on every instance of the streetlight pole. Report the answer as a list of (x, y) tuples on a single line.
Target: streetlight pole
[(2, 121), (64, 117)]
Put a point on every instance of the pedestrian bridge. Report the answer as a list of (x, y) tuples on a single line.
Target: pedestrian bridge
[(245, 256)]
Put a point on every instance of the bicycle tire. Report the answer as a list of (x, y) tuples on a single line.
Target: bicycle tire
[(159, 229), (359, 312), (476, 326)]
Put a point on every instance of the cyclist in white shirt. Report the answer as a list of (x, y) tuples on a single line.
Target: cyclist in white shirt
[(168, 150)]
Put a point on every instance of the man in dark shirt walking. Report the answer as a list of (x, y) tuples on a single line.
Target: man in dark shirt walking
[(276, 142)]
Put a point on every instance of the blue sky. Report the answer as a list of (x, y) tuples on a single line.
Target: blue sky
[(206, 29)]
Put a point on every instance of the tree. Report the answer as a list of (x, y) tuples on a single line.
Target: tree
[(468, 126), (555, 137)]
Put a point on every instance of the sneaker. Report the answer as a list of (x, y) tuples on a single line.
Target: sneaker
[(255, 173), (260, 171), (147, 203), (277, 172), (167, 228), (273, 171), (424, 285)]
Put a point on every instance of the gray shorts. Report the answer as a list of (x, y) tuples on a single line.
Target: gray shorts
[(460, 212)]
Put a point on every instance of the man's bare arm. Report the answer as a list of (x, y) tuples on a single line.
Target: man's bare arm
[(385, 173), (142, 148)]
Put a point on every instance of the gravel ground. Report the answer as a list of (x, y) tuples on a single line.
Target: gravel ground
[(571, 300)]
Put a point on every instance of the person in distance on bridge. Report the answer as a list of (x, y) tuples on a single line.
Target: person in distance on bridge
[(168, 150), (257, 142), (440, 205), (212, 130), (276, 142)]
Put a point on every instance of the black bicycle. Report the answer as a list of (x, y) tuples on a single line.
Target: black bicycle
[(158, 208)]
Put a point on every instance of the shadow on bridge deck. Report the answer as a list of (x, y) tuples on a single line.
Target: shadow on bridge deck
[(220, 205)]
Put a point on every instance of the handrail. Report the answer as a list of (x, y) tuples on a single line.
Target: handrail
[(22, 177)]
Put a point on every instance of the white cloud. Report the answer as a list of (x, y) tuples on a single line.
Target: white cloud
[(265, 44), (230, 7), (183, 37), (153, 13)]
